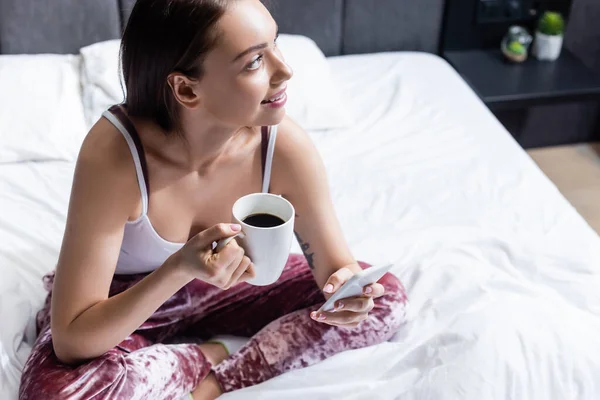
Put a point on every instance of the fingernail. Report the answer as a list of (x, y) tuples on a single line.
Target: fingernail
[(235, 227), (328, 288), (368, 290), (313, 315), (322, 317), (340, 306)]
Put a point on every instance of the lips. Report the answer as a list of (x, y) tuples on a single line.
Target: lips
[(276, 97)]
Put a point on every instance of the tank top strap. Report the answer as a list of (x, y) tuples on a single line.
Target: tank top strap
[(269, 135), (117, 116)]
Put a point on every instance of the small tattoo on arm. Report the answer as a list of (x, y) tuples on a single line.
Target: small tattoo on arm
[(305, 246)]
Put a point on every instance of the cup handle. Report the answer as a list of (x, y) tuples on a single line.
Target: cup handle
[(223, 242)]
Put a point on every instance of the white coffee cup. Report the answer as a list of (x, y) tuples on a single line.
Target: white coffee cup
[(268, 248)]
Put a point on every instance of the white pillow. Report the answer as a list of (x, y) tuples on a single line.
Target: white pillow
[(313, 99), (41, 113), (102, 81)]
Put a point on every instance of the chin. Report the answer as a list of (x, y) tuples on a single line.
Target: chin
[(266, 119), (263, 117), (273, 117)]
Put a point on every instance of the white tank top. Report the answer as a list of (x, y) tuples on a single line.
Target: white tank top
[(143, 250)]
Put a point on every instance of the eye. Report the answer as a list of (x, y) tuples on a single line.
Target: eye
[(255, 63)]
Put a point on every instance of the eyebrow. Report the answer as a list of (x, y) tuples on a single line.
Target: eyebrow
[(251, 50), (254, 48)]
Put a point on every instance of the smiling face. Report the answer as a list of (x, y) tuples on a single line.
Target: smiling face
[(244, 76)]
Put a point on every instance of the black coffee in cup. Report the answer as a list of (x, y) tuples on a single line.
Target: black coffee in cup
[(263, 220)]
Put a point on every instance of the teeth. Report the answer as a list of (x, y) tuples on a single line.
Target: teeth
[(274, 99)]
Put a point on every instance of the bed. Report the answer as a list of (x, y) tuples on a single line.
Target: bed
[(503, 275)]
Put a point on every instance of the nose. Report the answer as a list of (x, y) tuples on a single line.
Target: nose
[(282, 72)]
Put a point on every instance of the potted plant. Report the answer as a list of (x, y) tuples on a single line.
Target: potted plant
[(549, 36), (515, 44)]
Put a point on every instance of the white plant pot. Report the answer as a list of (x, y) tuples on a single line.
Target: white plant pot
[(547, 47)]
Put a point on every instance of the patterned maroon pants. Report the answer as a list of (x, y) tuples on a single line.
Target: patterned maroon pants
[(143, 366)]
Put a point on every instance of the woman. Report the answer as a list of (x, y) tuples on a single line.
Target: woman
[(155, 182)]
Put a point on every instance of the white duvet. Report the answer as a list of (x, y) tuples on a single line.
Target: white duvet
[(502, 274)]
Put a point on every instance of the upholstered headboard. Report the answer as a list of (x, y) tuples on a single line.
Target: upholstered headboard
[(338, 26)]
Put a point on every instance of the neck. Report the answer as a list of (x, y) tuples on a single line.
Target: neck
[(205, 139), (203, 143)]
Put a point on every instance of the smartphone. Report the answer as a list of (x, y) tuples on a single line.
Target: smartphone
[(354, 286)]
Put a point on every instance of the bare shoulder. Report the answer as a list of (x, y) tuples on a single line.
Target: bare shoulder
[(104, 146), (293, 143), (297, 164), (105, 165)]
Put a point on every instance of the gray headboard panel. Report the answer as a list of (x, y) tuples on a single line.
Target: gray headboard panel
[(318, 19), (58, 26), (338, 26), (389, 25)]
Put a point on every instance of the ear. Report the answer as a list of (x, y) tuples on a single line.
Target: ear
[(185, 90)]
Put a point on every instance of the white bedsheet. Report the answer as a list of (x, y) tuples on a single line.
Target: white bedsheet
[(502, 274)]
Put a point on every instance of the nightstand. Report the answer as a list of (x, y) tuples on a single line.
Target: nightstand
[(503, 85), (539, 103)]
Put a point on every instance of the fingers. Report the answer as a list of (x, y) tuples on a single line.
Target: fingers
[(224, 264), (343, 318), (232, 258), (229, 255), (250, 273), (216, 233), (224, 242), (336, 280), (374, 290), (222, 269), (239, 271), (355, 304), (348, 312)]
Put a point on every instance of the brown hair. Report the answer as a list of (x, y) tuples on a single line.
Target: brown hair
[(162, 37)]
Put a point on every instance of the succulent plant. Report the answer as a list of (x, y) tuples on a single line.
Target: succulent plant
[(515, 44), (551, 24), (516, 48)]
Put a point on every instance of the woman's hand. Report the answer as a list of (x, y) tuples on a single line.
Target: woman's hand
[(224, 269), (349, 312)]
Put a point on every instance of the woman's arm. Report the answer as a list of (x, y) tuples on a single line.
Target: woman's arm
[(85, 322), (299, 175), (104, 195)]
